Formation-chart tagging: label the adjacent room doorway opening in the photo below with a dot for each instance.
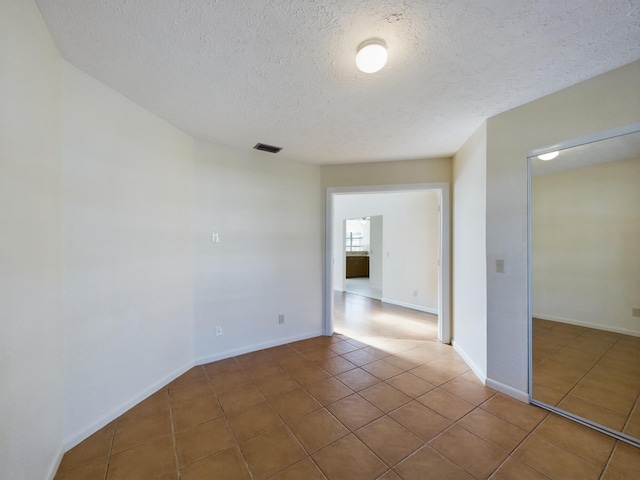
(335, 259)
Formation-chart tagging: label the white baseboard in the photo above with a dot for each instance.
(55, 464)
(410, 305)
(257, 346)
(571, 321)
(482, 376)
(84, 432)
(507, 390)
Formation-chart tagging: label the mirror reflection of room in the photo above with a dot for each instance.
(585, 267)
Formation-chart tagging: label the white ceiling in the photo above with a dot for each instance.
(283, 72)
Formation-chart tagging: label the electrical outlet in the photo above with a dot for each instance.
(281, 318)
(415, 293)
(499, 266)
(218, 330)
(635, 312)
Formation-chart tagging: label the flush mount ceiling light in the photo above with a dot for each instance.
(548, 156)
(371, 56)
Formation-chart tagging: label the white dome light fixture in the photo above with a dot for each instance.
(548, 156)
(372, 55)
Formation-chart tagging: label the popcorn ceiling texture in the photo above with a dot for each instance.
(283, 72)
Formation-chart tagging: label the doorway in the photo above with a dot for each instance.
(335, 259)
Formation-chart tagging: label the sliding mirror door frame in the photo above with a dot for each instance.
(587, 139)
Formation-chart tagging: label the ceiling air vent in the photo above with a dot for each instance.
(267, 148)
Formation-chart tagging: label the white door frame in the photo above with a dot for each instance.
(444, 271)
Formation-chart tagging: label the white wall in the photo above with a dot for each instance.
(31, 339)
(376, 258)
(268, 262)
(585, 249)
(128, 199)
(601, 103)
(410, 237)
(469, 252)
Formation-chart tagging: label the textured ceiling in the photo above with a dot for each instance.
(283, 72)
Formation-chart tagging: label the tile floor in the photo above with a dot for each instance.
(591, 373)
(341, 407)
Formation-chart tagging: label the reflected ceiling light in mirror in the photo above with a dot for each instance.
(371, 56)
(548, 156)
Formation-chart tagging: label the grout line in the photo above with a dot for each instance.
(173, 434)
(113, 439)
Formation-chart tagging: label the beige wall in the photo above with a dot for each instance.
(469, 276)
(32, 343)
(601, 103)
(432, 170)
(585, 246)
(266, 210)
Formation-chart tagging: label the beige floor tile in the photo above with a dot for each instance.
(420, 420)
(152, 404)
(513, 469)
(474, 455)
(519, 413)
(317, 354)
(410, 385)
(493, 429)
(188, 415)
(468, 391)
(95, 447)
(428, 460)
(553, 461)
(358, 379)
(308, 374)
(336, 365)
(317, 429)
(275, 386)
(253, 421)
(585, 442)
(385, 397)
(225, 464)
(354, 411)
(433, 375)
(343, 348)
(264, 370)
(632, 428)
(382, 369)
(224, 382)
(360, 357)
(294, 404)
(94, 470)
(240, 398)
(227, 365)
(547, 395)
(139, 430)
(203, 440)
(390, 475)
(189, 392)
(389, 440)
(446, 404)
(349, 458)
(271, 452)
(625, 461)
(252, 358)
(194, 375)
(150, 460)
(303, 470)
(593, 412)
(329, 390)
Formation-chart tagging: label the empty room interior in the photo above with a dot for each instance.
(176, 185)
